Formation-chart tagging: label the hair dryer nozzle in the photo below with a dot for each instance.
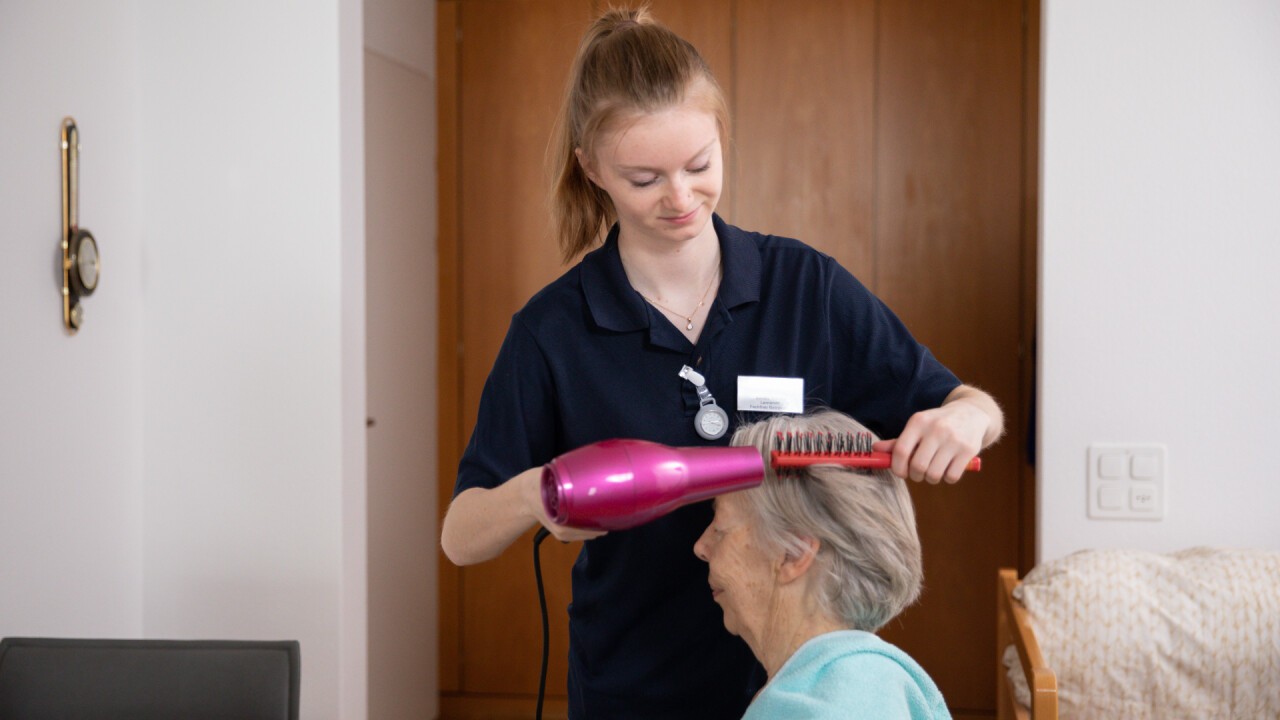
(618, 484)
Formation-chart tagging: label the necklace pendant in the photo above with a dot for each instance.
(689, 326)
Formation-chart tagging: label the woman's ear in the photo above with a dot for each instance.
(584, 162)
(795, 566)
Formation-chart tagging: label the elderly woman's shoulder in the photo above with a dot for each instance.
(850, 673)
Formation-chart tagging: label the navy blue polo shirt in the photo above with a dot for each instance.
(588, 359)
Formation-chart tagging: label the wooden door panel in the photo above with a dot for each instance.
(449, 359)
(805, 87)
(514, 57)
(948, 242)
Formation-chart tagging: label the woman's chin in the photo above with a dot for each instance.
(732, 627)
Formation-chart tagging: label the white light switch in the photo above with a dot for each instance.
(1127, 481)
(1146, 465)
(1142, 497)
(1111, 496)
(1112, 465)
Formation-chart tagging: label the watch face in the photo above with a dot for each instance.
(711, 422)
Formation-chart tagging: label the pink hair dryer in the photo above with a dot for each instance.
(618, 484)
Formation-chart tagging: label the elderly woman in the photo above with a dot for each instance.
(806, 567)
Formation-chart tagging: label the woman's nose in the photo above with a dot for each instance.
(700, 548)
(680, 191)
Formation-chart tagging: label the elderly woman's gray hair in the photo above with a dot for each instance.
(869, 552)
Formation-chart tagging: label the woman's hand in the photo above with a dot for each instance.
(937, 444)
(531, 491)
(482, 522)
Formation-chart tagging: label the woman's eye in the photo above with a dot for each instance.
(644, 183)
(702, 169)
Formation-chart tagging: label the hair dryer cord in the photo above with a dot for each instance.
(542, 602)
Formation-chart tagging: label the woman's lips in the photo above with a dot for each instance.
(682, 219)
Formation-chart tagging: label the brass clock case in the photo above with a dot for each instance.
(81, 263)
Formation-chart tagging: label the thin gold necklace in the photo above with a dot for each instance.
(701, 301)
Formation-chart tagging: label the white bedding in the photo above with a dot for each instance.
(1193, 634)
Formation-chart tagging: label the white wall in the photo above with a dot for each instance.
(70, 407)
(243, 198)
(1159, 258)
(353, 626)
(400, 111)
(217, 489)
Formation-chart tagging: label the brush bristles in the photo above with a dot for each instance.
(809, 443)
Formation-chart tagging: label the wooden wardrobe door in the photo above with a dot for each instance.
(512, 58)
(804, 139)
(949, 118)
(889, 136)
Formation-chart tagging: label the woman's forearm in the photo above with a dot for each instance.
(482, 522)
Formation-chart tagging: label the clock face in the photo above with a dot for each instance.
(86, 261)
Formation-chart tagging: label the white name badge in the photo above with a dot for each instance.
(771, 394)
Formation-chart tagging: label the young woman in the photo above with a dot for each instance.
(673, 329)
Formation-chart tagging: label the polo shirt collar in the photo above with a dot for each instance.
(616, 306)
(740, 257)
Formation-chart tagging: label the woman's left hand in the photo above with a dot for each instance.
(937, 444)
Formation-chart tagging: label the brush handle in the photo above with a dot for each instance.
(866, 461)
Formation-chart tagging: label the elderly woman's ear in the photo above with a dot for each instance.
(794, 565)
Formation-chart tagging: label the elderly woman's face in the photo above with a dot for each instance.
(740, 573)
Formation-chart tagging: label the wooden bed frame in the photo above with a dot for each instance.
(1012, 628)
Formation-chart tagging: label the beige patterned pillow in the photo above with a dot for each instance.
(1193, 634)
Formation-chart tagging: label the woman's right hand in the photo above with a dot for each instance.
(531, 490)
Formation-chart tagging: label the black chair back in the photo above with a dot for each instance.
(45, 678)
